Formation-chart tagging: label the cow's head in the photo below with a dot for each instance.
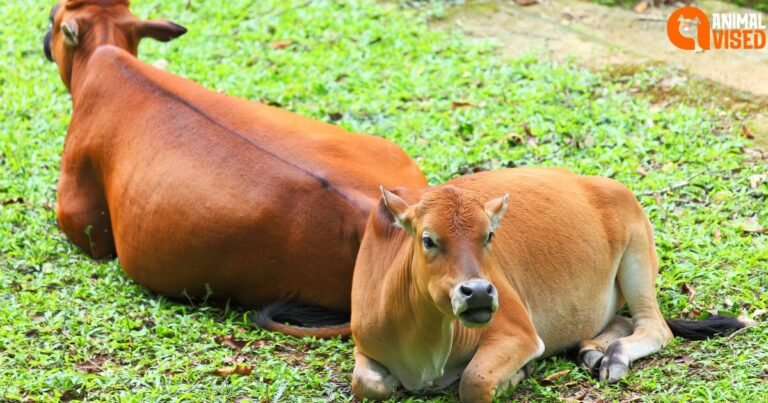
(80, 26)
(453, 236)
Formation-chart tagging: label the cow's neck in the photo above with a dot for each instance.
(78, 72)
(422, 336)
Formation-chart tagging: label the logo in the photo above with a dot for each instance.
(689, 26)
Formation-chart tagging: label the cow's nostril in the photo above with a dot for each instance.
(466, 290)
(490, 289)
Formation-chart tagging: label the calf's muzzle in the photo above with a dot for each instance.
(474, 302)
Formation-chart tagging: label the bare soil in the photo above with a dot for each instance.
(598, 36)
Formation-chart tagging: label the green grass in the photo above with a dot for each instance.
(72, 328)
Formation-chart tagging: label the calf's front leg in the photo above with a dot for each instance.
(372, 380)
(498, 364)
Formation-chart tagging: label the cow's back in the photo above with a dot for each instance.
(208, 189)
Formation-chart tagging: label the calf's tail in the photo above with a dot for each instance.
(301, 319)
(715, 325)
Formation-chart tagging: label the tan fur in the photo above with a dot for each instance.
(193, 189)
(568, 252)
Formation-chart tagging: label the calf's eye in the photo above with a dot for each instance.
(429, 243)
(490, 238)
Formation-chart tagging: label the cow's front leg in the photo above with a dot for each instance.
(372, 380)
(83, 215)
(499, 363)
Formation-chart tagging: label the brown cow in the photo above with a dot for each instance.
(195, 191)
(445, 289)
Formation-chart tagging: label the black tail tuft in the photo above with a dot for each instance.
(715, 325)
(300, 319)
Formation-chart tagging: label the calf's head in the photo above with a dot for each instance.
(452, 234)
(80, 26)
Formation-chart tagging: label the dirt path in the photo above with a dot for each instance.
(597, 36)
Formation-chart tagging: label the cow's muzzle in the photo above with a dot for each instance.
(474, 302)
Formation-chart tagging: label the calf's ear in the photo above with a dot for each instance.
(496, 209)
(399, 209)
(160, 30)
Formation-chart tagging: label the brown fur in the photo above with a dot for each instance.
(567, 254)
(194, 189)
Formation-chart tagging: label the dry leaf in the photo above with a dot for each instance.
(688, 289)
(512, 138)
(747, 132)
(753, 154)
(461, 104)
(756, 180)
(641, 171)
(751, 226)
(281, 44)
(236, 370)
(717, 234)
(230, 341)
(526, 2)
(527, 130)
(556, 375)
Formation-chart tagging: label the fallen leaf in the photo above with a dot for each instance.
(281, 44)
(751, 226)
(527, 130)
(461, 104)
(747, 132)
(717, 234)
(236, 370)
(17, 200)
(238, 359)
(756, 180)
(753, 154)
(526, 2)
(512, 138)
(556, 375)
(688, 289)
(230, 341)
(641, 171)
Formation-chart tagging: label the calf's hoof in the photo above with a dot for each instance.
(591, 360)
(374, 386)
(614, 365)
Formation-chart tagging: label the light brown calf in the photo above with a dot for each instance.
(195, 190)
(475, 278)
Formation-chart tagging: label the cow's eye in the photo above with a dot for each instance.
(428, 242)
(490, 238)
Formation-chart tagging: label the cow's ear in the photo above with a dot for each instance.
(71, 33)
(160, 30)
(495, 210)
(399, 209)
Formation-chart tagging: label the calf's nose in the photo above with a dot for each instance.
(478, 293)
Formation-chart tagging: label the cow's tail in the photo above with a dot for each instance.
(715, 325)
(301, 319)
